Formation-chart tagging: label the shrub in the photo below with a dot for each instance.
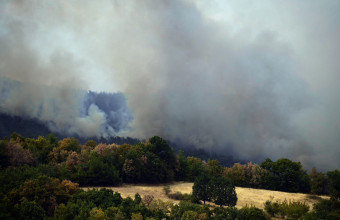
(224, 213)
(147, 199)
(136, 216)
(251, 213)
(295, 210)
(271, 208)
(291, 209)
(325, 209)
(178, 210)
(189, 215)
(97, 214)
(177, 195)
(31, 210)
(19, 156)
(180, 196)
(167, 190)
(138, 198)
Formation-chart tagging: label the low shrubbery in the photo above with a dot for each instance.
(325, 209)
(39, 179)
(177, 195)
(285, 209)
(180, 196)
(251, 213)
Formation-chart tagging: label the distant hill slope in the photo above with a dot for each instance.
(33, 128)
(26, 127)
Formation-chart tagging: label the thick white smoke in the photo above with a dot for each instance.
(239, 78)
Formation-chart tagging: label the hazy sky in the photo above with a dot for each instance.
(248, 78)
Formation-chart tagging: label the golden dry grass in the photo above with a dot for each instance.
(246, 196)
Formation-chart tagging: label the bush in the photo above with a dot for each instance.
(177, 195)
(251, 213)
(31, 210)
(292, 210)
(136, 216)
(102, 198)
(325, 209)
(167, 190)
(189, 215)
(295, 210)
(178, 210)
(97, 214)
(180, 196)
(272, 208)
(224, 213)
(147, 199)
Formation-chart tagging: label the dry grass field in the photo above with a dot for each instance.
(246, 196)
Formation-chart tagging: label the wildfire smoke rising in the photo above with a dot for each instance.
(237, 78)
(76, 112)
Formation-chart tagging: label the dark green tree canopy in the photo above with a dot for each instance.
(219, 190)
(286, 175)
(201, 189)
(334, 180)
(223, 191)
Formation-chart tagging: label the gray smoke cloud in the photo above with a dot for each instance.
(239, 78)
(42, 79)
(74, 112)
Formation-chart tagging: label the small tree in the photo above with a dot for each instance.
(18, 156)
(147, 199)
(166, 190)
(91, 143)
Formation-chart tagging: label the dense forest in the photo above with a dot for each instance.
(33, 128)
(40, 179)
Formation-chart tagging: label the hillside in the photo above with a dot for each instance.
(246, 196)
(32, 128)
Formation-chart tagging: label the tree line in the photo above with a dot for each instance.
(62, 165)
(152, 161)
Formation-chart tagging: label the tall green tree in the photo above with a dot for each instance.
(45, 191)
(223, 191)
(98, 173)
(318, 182)
(334, 180)
(201, 190)
(166, 154)
(31, 210)
(194, 168)
(286, 175)
(213, 168)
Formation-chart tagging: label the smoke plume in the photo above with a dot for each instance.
(75, 112)
(237, 78)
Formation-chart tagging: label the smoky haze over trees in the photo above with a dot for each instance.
(234, 78)
(85, 114)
